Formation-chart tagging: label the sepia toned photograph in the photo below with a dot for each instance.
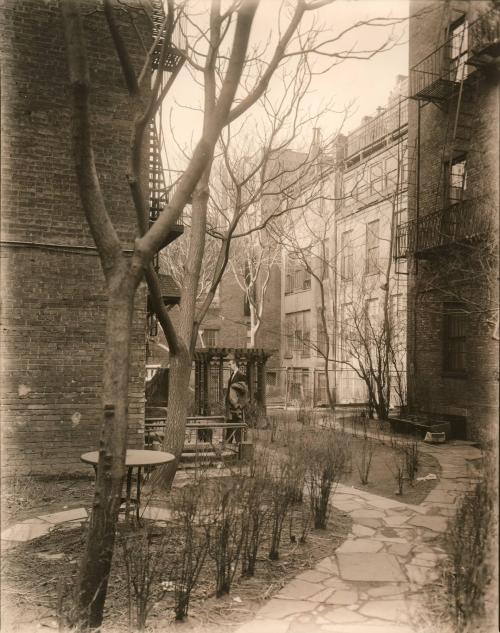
(249, 316)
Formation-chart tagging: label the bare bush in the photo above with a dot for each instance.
(412, 457)
(256, 510)
(468, 569)
(399, 464)
(300, 522)
(329, 454)
(227, 531)
(194, 533)
(279, 503)
(145, 562)
(364, 461)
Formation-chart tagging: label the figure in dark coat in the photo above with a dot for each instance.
(236, 399)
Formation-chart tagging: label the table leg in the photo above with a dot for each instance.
(128, 492)
(138, 494)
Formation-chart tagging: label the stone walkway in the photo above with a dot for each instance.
(373, 581)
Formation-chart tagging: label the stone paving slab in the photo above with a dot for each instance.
(370, 568)
(392, 610)
(299, 589)
(65, 515)
(156, 514)
(278, 608)
(343, 616)
(264, 626)
(313, 575)
(360, 545)
(23, 532)
(361, 530)
(434, 523)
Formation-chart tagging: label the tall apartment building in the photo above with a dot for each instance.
(372, 202)
(451, 238)
(307, 283)
(53, 298)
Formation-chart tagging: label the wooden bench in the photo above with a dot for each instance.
(210, 435)
(420, 426)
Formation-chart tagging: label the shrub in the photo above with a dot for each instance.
(468, 569)
(194, 533)
(328, 457)
(227, 531)
(256, 510)
(145, 560)
(280, 500)
(365, 459)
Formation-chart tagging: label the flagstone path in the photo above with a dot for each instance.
(372, 583)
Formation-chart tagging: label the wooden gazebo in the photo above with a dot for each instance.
(211, 371)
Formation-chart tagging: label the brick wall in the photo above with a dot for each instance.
(54, 308)
(466, 272)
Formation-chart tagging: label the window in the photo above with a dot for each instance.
(271, 378)
(346, 261)
(455, 339)
(321, 343)
(297, 333)
(372, 247)
(457, 181)
(297, 278)
(209, 337)
(401, 211)
(458, 44)
(372, 327)
(321, 393)
(345, 332)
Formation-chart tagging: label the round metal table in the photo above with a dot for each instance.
(134, 458)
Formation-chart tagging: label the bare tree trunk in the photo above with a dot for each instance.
(180, 364)
(96, 563)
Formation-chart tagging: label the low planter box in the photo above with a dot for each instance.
(420, 427)
(435, 437)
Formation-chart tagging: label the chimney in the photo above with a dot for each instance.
(316, 142)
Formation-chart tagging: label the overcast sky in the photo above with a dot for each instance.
(365, 82)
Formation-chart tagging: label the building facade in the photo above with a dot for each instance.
(307, 279)
(370, 285)
(451, 238)
(54, 302)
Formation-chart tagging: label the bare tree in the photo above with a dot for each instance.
(349, 332)
(220, 54)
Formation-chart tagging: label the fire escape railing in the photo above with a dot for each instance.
(484, 35)
(375, 131)
(458, 222)
(160, 186)
(435, 76)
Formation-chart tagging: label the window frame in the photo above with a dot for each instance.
(372, 263)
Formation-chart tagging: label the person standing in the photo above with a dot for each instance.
(236, 398)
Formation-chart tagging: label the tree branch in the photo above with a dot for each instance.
(101, 227)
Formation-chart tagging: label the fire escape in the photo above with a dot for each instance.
(159, 177)
(448, 77)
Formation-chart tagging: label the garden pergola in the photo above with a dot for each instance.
(211, 371)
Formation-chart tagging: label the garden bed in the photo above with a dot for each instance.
(39, 574)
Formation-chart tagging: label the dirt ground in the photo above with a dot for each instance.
(38, 575)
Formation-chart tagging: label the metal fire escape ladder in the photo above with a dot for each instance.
(159, 187)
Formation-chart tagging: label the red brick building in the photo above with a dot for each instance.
(53, 309)
(451, 239)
